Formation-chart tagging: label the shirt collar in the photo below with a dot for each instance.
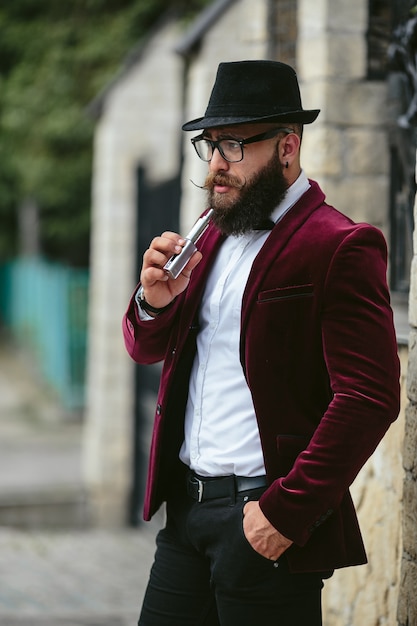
(294, 193)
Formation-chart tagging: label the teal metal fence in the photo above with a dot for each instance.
(45, 307)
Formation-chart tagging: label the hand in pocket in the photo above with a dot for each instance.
(262, 536)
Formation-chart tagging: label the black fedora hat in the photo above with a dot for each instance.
(253, 91)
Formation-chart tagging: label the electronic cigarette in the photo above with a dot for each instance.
(176, 263)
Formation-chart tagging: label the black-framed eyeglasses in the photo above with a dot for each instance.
(231, 149)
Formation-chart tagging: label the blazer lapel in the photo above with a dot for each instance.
(209, 244)
(278, 239)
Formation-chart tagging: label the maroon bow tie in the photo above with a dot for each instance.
(265, 225)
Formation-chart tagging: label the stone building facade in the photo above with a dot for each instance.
(136, 115)
(346, 150)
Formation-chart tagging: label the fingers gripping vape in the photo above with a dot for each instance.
(176, 263)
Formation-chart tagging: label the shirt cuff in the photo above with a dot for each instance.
(143, 315)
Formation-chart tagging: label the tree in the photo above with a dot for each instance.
(54, 59)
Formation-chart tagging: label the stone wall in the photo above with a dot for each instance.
(368, 594)
(407, 605)
(346, 150)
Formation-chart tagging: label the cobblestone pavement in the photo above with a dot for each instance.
(83, 578)
(77, 577)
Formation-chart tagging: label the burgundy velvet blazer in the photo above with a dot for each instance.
(319, 354)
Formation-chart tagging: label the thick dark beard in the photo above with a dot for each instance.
(259, 196)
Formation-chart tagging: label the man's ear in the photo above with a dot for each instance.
(289, 149)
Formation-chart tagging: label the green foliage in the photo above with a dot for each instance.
(55, 57)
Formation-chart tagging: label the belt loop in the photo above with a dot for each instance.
(233, 492)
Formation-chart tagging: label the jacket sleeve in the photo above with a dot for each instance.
(360, 352)
(147, 340)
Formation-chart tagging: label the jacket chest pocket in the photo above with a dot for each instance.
(286, 293)
(284, 320)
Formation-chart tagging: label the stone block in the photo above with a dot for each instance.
(314, 97)
(410, 439)
(341, 56)
(311, 59)
(311, 17)
(366, 152)
(109, 506)
(407, 605)
(351, 103)
(410, 517)
(349, 16)
(321, 151)
(363, 199)
(412, 367)
(347, 56)
(323, 16)
(254, 17)
(55, 508)
(412, 301)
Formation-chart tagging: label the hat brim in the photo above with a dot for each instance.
(298, 117)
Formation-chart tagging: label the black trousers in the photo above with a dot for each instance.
(207, 574)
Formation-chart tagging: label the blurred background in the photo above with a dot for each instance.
(56, 60)
(93, 164)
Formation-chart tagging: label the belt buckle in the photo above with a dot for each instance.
(200, 489)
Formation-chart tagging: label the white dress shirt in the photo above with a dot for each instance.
(221, 431)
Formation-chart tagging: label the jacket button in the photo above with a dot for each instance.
(158, 409)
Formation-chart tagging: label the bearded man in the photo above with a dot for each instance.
(280, 372)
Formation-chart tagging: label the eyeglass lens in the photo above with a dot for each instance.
(230, 150)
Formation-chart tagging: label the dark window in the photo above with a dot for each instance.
(384, 17)
(402, 109)
(379, 37)
(402, 196)
(157, 211)
(282, 23)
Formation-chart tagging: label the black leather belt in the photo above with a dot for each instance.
(201, 488)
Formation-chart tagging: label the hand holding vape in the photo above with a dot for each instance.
(177, 262)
